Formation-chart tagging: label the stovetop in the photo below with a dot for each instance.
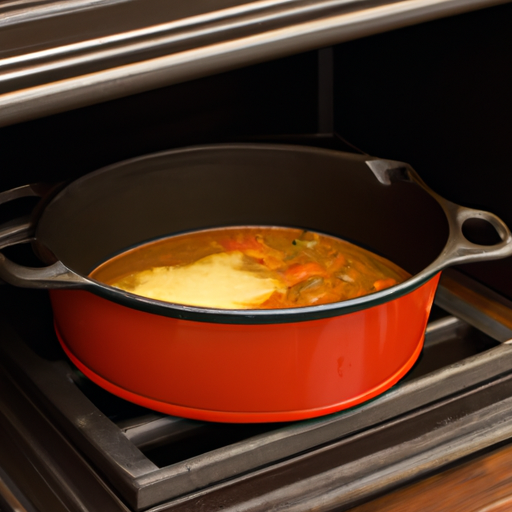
(453, 403)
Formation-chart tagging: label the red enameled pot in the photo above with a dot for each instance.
(244, 365)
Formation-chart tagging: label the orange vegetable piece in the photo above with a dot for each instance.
(301, 271)
(381, 284)
(338, 262)
(244, 244)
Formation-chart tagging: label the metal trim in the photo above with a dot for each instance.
(241, 37)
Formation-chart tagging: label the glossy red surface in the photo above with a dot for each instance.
(243, 373)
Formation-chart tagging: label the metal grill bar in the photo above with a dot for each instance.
(100, 68)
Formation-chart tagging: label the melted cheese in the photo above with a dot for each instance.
(216, 281)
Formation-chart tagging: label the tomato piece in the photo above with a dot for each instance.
(243, 244)
(301, 271)
(381, 284)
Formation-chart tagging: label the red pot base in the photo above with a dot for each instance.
(238, 416)
(247, 373)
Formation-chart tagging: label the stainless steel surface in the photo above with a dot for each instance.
(44, 78)
(122, 450)
(374, 461)
(8, 501)
(49, 472)
(489, 312)
(151, 430)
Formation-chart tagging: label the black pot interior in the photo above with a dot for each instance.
(124, 205)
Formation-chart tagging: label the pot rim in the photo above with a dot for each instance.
(258, 316)
(457, 249)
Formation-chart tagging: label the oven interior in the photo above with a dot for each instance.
(435, 95)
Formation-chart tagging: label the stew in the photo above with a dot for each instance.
(250, 267)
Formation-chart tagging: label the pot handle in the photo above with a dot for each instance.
(458, 249)
(461, 250)
(21, 230)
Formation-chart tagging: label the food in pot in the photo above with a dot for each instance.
(250, 267)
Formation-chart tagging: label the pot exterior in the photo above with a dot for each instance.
(243, 373)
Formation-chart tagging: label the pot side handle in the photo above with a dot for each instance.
(461, 250)
(458, 249)
(21, 230)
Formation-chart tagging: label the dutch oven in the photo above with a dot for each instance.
(244, 365)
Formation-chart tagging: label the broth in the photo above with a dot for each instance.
(250, 267)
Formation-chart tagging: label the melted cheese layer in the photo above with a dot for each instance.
(216, 281)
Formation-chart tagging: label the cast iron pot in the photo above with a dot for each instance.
(244, 365)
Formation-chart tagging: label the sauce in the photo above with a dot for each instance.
(250, 267)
